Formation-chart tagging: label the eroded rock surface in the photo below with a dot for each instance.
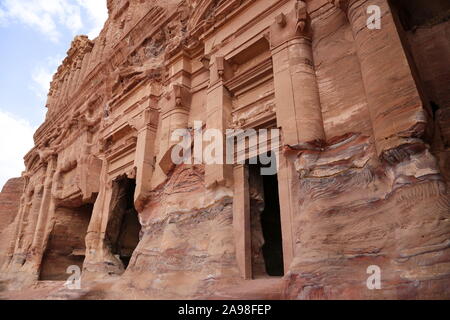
(9, 206)
(363, 158)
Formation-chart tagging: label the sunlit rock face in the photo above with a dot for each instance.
(358, 207)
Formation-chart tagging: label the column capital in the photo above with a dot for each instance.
(220, 70)
(294, 24)
(148, 119)
(178, 98)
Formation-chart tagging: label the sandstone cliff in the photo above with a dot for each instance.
(362, 175)
(9, 207)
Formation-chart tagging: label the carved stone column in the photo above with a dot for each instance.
(241, 221)
(175, 115)
(71, 82)
(296, 91)
(76, 77)
(25, 204)
(218, 112)
(287, 179)
(64, 90)
(85, 65)
(46, 211)
(144, 162)
(24, 212)
(394, 100)
(58, 99)
(33, 216)
(97, 226)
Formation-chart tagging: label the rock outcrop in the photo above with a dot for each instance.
(356, 119)
(9, 206)
(10, 201)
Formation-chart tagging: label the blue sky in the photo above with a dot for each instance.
(34, 38)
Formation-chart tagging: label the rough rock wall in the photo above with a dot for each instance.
(400, 219)
(187, 245)
(10, 201)
(428, 45)
(66, 244)
(400, 222)
(363, 161)
(9, 207)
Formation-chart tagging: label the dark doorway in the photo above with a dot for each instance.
(267, 243)
(271, 225)
(123, 231)
(417, 13)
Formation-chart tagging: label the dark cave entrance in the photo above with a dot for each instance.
(422, 29)
(417, 13)
(66, 245)
(265, 221)
(123, 230)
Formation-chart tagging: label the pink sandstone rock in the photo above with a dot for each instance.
(9, 206)
(363, 163)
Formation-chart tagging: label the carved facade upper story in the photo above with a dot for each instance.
(136, 45)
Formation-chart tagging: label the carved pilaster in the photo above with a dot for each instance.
(241, 221)
(46, 212)
(218, 110)
(398, 116)
(96, 251)
(144, 162)
(296, 92)
(175, 115)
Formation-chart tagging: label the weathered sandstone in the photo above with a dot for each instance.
(9, 206)
(363, 164)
